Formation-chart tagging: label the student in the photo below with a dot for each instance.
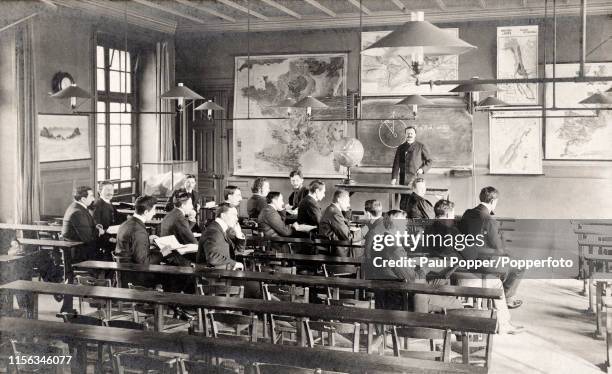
(416, 205)
(217, 248)
(188, 186)
(333, 225)
(105, 214)
(309, 212)
(257, 201)
(232, 196)
(176, 222)
(299, 191)
(271, 222)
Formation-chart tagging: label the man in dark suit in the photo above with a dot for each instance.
(188, 186)
(104, 213)
(299, 191)
(333, 224)
(176, 222)
(480, 220)
(272, 224)
(79, 225)
(416, 205)
(217, 247)
(257, 201)
(373, 213)
(411, 159)
(309, 212)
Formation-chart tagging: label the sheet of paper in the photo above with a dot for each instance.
(188, 248)
(168, 241)
(112, 230)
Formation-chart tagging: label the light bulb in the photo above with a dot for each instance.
(415, 109)
(309, 111)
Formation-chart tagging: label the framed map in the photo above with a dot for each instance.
(447, 132)
(515, 144)
(517, 57)
(573, 137)
(389, 75)
(63, 137)
(272, 143)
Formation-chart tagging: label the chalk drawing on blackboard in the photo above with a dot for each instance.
(391, 132)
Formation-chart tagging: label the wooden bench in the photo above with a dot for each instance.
(370, 317)
(62, 244)
(301, 259)
(292, 279)
(242, 351)
(28, 227)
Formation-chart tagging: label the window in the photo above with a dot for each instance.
(115, 122)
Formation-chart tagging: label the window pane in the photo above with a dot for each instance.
(126, 116)
(116, 116)
(126, 185)
(115, 81)
(101, 157)
(126, 173)
(115, 173)
(114, 59)
(101, 135)
(115, 157)
(100, 83)
(126, 134)
(101, 174)
(126, 156)
(100, 57)
(115, 135)
(101, 115)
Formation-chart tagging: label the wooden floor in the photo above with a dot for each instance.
(558, 337)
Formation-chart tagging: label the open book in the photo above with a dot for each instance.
(112, 230)
(167, 243)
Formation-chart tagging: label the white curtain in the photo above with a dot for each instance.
(165, 81)
(28, 181)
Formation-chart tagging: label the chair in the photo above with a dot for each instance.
(472, 343)
(200, 367)
(26, 349)
(432, 335)
(362, 304)
(103, 306)
(341, 271)
(215, 290)
(283, 369)
(137, 363)
(91, 321)
(280, 325)
(334, 331)
(169, 323)
(233, 326)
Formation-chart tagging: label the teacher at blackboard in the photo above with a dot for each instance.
(411, 159)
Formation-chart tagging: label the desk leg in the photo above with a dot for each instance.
(33, 312)
(79, 363)
(159, 317)
(302, 332)
(370, 337)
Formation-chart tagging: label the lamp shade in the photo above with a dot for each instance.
(310, 102)
(491, 101)
(209, 105)
(287, 103)
(71, 91)
(415, 100)
(474, 87)
(609, 89)
(419, 37)
(598, 98)
(180, 92)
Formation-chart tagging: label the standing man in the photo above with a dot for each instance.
(189, 187)
(79, 225)
(104, 213)
(411, 159)
(299, 191)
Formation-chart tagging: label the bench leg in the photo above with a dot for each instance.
(599, 285)
(159, 317)
(591, 296)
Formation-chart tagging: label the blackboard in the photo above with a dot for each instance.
(446, 131)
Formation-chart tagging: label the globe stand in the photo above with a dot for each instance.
(348, 179)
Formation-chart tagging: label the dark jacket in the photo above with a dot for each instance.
(195, 198)
(419, 207)
(442, 227)
(389, 253)
(175, 223)
(309, 212)
(255, 205)
(408, 159)
(79, 225)
(271, 223)
(104, 213)
(296, 196)
(477, 221)
(333, 225)
(217, 248)
(133, 241)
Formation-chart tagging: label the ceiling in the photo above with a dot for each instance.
(196, 16)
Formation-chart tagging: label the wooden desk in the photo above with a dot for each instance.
(230, 349)
(304, 259)
(301, 280)
(388, 188)
(312, 311)
(27, 227)
(49, 243)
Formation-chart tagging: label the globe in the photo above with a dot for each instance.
(350, 153)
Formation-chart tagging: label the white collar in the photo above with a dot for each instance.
(108, 201)
(181, 209)
(222, 223)
(140, 217)
(81, 204)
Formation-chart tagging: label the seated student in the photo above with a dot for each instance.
(217, 247)
(257, 201)
(232, 196)
(334, 225)
(417, 206)
(105, 214)
(444, 224)
(271, 222)
(176, 222)
(309, 212)
(298, 192)
(373, 213)
(189, 187)
(79, 225)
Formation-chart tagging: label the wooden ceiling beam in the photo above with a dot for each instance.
(440, 4)
(400, 5)
(166, 9)
(282, 8)
(206, 10)
(239, 7)
(360, 6)
(321, 7)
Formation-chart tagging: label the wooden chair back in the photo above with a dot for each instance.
(128, 362)
(20, 349)
(290, 293)
(230, 325)
(433, 335)
(261, 368)
(481, 341)
(329, 334)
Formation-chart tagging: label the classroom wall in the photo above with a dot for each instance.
(567, 190)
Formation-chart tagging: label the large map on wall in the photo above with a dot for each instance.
(273, 143)
(389, 75)
(517, 57)
(515, 144)
(578, 138)
(446, 131)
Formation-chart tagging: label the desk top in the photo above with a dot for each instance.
(49, 243)
(27, 227)
(302, 280)
(316, 259)
(392, 188)
(313, 311)
(586, 243)
(325, 359)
